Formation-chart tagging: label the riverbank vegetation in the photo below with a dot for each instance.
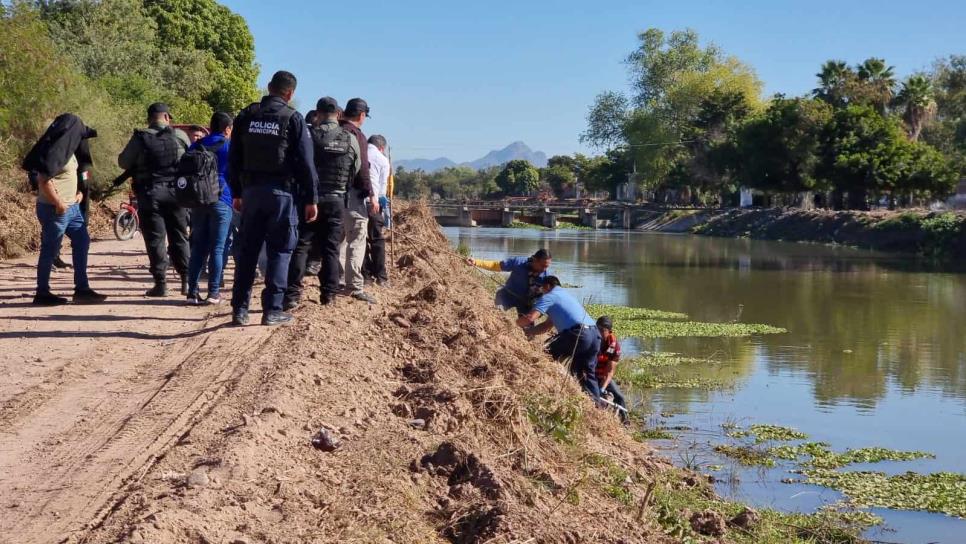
(697, 128)
(107, 60)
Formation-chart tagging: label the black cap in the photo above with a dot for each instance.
(605, 323)
(159, 107)
(355, 107)
(327, 104)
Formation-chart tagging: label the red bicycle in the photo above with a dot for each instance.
(126, 222)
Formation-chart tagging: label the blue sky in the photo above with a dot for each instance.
(458, 79)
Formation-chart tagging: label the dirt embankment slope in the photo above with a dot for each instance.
(927, 233)
(147, 421)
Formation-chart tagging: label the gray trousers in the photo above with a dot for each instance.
(352, 251)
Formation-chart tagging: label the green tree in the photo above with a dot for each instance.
(206, 26)
(687, 97)
(916, 100)
(834, 80)
(778, 151)
(518, 177)
(558, 177)
(865, 153)
(877, 83)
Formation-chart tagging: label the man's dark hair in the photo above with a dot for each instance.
(196, 128)
(542, 255)
(311, 116)
(282, 82)
(552, 281)
(378, 140)
(220, 122)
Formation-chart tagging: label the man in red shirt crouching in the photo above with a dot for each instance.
(610, 353)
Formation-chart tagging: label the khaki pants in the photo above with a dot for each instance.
(352, 251)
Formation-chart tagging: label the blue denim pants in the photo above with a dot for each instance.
(53, 227)
(209, 236)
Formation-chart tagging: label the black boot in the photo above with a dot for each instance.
(184, 285)
(48, 299)
(160, 289)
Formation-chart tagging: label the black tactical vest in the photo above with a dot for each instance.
(161, 152)
(265, 141)
(333, 158)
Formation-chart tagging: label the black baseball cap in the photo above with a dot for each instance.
(327, 104)
(355, 107)
(159, 107)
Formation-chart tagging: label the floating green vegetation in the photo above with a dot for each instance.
(626, 313)
(942, 492)
(661, 360)
(831, 459)
(793, 453)
(747, 455)
(652, 434)
(644, 379)
(672, 329)
(522, 225)
(648, 323)
(767, 433)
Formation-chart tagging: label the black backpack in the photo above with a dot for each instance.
(197, 183)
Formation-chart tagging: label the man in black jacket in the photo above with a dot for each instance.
(152, 156)
(270, 161)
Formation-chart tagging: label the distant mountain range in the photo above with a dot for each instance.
(514, 151)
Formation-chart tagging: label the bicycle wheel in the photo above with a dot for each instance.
(125, 225)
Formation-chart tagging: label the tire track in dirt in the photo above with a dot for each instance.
(104, 391)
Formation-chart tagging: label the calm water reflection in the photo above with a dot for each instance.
(875, 354)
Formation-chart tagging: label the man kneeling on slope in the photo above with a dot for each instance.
(577, 335)
(526, 276)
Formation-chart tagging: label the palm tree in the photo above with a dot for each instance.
(879, 80)
(832, 82)
(916, 97)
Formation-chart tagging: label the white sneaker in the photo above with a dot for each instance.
(213, 301)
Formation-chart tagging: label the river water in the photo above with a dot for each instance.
(875, 354)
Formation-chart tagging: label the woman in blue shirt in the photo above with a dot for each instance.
(210, 224)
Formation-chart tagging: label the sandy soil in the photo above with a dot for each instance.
(147, 421)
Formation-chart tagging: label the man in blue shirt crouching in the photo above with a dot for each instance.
(577, 335)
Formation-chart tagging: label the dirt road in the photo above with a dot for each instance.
(92, 395)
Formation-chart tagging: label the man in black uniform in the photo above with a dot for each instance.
(152, 156)
(270, 161)
(337, 160)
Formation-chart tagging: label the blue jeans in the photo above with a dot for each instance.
(53, 227)
(209, 234)
(269, 220)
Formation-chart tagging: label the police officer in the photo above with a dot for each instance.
(270, 161)
(152, 156)
(360, 203)
(337, 161)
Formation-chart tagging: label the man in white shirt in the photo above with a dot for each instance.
(375, 261)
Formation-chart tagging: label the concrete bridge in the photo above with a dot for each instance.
(497, 214)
